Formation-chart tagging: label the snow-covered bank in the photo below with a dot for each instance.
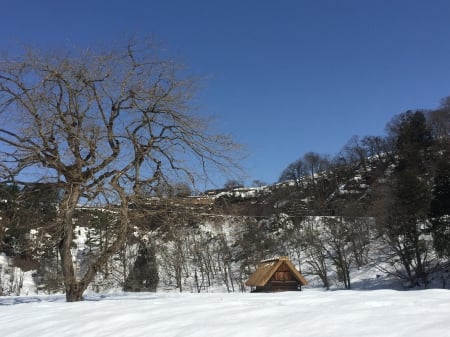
(307, 313)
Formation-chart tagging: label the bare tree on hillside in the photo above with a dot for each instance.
(233, 183)
(296, 171)
(315, 163)
(439, 120)
(100, 126)
(315, 254)
(356, 152)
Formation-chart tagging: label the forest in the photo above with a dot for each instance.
(382, 202)
(99, 156)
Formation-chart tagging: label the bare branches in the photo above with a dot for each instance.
(103, 125)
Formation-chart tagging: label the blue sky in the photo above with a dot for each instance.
(283, 77)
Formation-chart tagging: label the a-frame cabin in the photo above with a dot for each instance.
(277, 274)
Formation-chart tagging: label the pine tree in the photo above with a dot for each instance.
(144, 274)
(440, 209)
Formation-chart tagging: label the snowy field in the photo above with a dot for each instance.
(307, 313)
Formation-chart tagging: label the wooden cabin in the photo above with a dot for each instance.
(278, 274)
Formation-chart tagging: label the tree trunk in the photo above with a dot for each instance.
(69, 202)
(74, 287)
(74, 292)
(421, 274)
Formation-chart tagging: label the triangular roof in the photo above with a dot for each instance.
(267, 268)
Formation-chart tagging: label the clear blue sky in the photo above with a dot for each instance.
(283, 77)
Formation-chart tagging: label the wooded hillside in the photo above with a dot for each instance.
(382, 203)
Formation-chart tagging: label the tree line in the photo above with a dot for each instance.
(88, 137)
(401, 181)
(329, 220)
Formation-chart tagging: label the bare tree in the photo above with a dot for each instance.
(296, 171)
(439, 119)
(232, 184)
(100, 126)
(356, 152)
(315, 254)
(315, 163)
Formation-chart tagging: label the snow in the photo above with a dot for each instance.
(13, 280)
(308, 313)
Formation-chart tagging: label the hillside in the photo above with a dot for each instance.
(213, 242)
(377, 213)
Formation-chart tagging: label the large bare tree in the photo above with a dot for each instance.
(101, 126)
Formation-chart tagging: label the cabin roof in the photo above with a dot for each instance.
(267, 268)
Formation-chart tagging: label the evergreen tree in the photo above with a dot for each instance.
(410, 194)
(413, 140)
(440, 209)
(144, 274)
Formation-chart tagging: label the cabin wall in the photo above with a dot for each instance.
(282, 274)
(275, 286)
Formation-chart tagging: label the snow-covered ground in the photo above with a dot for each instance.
(308, 313)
